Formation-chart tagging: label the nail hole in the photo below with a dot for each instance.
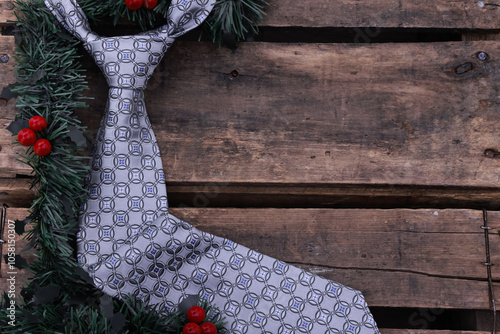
(491, 153)
(234, 74)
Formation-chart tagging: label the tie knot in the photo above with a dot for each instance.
(129, 61)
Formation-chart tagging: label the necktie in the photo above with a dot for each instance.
(131, 244)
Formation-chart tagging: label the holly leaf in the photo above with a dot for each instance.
(47, 294)
(83, 275)
(7, 92)
(30, 316)
(188, 302)
(17, 125)
(118, 322)
(68, 206)
(106, 306)
(75, 300)
(76, 136)
(19, 262)
(37, 76)
(20, 224)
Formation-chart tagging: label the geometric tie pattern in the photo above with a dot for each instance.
(130, 243)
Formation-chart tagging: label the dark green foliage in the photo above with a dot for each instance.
(234, 20)
(50, 82)
(230, 20)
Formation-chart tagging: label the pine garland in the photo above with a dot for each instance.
(230, 20)
(61, 298)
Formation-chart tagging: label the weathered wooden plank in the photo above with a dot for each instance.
(9, 165)
(7, 12)
(16, 193)
(381, 290)
(10, 151)
(426, 258)
(384, 13)
(401, 240)
(352, 13)
(326, 114)
(401, 289)
(9, 275)
(397, 274)
(382, 114)
(427, 331)
(395, 119)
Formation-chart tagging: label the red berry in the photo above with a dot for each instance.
(133, 4)
(196, 314)
(26, 137)
(38, 123)
(42, 147)
(208, 328)
(150, 4)
(191, 328)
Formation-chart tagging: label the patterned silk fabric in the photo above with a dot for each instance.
(130, 244)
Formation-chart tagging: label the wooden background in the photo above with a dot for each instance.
(352, 138)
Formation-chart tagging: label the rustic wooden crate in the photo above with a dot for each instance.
(364, 162)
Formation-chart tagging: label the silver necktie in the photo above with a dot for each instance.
(130, 244)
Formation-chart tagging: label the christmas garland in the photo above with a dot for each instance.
(60, 298)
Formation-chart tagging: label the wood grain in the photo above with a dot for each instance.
(16, 192)
(426, 258)
(383, 13)
(395, 119)
(316, 114)
(9, 153)
(7, 12)
(384, 253)
(427, 331)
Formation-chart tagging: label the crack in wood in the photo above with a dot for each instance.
(392, 270)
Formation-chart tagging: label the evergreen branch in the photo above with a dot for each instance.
(234, 19)
(229, 20)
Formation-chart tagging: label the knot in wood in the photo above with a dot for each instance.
(464, 68)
